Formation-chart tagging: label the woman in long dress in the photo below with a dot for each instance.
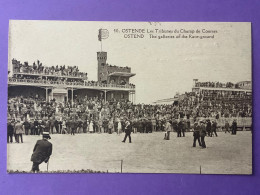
(119, 127)
(91, 128)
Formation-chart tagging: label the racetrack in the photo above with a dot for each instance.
(148, 153)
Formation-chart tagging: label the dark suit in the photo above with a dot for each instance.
(208, 128)
(196, 135)
(202, 135)
(214, 129)
(234, 128)
(127, 133)
(41, 152)
(10, 132)
(180, 129)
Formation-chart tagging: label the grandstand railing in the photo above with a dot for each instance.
(50, 74)
(46, 83)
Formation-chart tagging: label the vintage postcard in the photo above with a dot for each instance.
(129, 97)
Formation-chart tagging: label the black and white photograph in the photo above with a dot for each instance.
(129, 97)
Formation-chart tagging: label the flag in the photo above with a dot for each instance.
(103, 34)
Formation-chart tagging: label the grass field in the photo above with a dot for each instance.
(148, 153)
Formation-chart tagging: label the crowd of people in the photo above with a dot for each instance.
(95, 115)
(216, 84)
(64, 81)
(38, 68)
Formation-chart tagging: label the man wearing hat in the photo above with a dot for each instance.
(234, 127)
(203, 133)
(10, 131)
(18, 129)
(41, 152)
(179, 128)
(127, 131)
(168, 129)
(214, 128)
(196, 134)
(208, 127)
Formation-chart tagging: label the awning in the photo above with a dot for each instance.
(122, 74)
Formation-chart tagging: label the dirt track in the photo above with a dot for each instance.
(149, 153)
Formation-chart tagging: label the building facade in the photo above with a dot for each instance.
(64, 84)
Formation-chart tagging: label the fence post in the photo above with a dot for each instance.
(121, 166)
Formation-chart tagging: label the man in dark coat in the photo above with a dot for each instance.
(234, 127)
(36, 127)
(10, 131)
(128, 130)
(57, 125)
(214, 129)
(179, 128)
(26, 125)
(208, 127)
(196, 134)
(203, 134)
(51, 124)
(41, 152)
(149, 126)
(73, 126)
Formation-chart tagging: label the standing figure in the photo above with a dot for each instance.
(73, 126)
(119, 127)
(41, 152)
(110, 126)
(208, 127)
(214, 128)
(196, 134)
(85, 126)
(226, 126)
(36, 126)
(127, 131)
(91, 127)
(179, 128)
(203, 134)
(234, 127)
(185, 127)
(10, 131)
(26, 126)
(168, 129)
(135, 125)
(18, 129)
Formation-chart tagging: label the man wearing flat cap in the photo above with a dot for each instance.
(41, 152)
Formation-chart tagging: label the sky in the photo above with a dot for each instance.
(162, 66)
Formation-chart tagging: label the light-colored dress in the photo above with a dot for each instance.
(119, 127)
(91, 129)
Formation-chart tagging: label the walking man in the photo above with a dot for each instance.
(127, 131)
(234, 127)
(214, 129)
(18, 129)
(226, 126)
(196, 134)
(168, 129)
(10, 131)
(203, 134)
(41, 152)
(208, 127)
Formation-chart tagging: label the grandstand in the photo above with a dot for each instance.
(66, 83)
